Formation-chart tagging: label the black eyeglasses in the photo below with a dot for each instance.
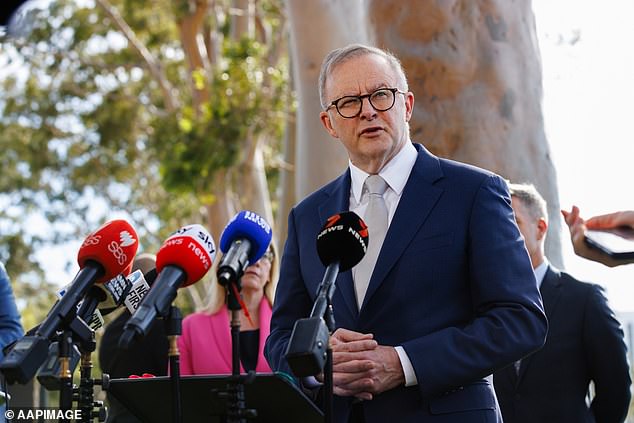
(382, 100)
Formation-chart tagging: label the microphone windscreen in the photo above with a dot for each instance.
(192, 249)
(251, 226)
(113, 246)
(344, 238)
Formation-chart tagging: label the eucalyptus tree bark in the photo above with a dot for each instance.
(254, 190)
(474, 67)
(190, 31)
(243, 18)
(286, 191)
(332, 24)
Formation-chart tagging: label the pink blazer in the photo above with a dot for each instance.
(205, 345)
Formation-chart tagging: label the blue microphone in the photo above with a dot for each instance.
(243, 242)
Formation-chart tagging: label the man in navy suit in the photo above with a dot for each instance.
(584, 342)
(452, 297)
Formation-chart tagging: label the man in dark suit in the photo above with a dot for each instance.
(584, 342)
(452, 296)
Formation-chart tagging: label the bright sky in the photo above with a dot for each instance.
(588, 92)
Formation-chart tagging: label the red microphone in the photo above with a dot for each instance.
(185, 257)
(103, 255)
(190, 248)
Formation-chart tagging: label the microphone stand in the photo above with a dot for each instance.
(322, 307)
(75, 331)
(86, 401)
(308, 352)
(236, 409)
(65, 377)
(174, 328)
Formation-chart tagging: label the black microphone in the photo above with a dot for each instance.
(106, 297)
(341, 244)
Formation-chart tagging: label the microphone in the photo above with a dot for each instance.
(343, 239)
(105, 253)
(102, 256)
(103, 299)
(243, 242)
(141, 284)
(184, 259)
(110, 296)
(341, 244)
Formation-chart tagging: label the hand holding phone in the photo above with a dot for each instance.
(618, 243)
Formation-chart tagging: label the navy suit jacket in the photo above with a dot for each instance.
(584, 343)
(10, 326)
(438, 289)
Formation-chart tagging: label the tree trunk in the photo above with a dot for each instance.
(254, 190)
(318, 157)
(286, 196)
(475, 69)
(243, 19)
(221, 209)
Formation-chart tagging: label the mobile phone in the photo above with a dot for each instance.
(618, 243)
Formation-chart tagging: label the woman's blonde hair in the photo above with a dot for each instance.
(217, 292)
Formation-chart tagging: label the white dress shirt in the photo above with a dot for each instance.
(396, 173)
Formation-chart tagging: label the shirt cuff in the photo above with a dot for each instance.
(408, 369)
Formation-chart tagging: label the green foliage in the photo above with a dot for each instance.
(194, 144)
(86, 136)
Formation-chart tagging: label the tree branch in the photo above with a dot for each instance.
(154, 66)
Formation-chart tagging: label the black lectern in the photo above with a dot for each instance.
(273, 396)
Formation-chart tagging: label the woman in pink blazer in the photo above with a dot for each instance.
(205, 345)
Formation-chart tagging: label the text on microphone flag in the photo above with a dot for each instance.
(257, 219)
(191, 248)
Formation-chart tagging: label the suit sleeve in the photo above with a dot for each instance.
(10, 326)
(508, 321)
(607, 360)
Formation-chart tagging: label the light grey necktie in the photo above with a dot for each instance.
(376, 219)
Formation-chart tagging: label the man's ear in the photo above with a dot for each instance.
(325, 120)
(409, 106)
(542, 227)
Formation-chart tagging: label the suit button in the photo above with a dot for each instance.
(518, 397)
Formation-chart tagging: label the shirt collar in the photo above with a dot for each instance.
(395, 172)
(540, 272)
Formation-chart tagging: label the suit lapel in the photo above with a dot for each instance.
(418, 199)
(338, 201)
(550, 291)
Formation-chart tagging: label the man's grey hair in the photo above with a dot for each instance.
(341, 55)
(531, 198)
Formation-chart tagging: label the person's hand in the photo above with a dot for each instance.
(612, 220)
(578, 227)
(361, 367)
